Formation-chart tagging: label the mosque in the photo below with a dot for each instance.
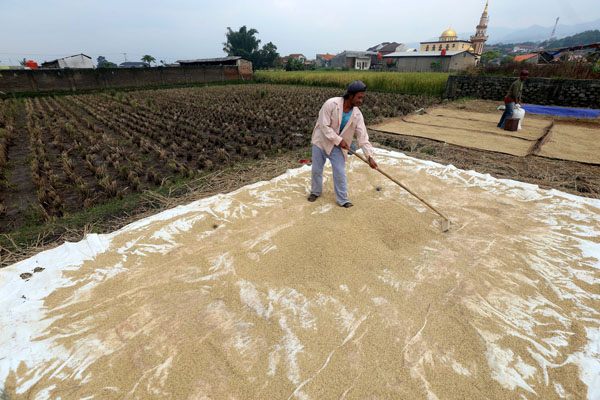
(449, 40)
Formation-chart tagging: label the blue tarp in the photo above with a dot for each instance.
(561, 111)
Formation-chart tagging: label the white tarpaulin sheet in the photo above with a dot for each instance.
(261, 294)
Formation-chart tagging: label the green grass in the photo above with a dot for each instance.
(416, 83)
(36, 227)
(428, 150)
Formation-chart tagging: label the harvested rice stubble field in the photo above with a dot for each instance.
(64, 154)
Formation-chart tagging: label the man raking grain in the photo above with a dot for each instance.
(339, 118)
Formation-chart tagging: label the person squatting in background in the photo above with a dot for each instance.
(513, 97)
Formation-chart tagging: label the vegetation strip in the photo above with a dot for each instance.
(431, 84)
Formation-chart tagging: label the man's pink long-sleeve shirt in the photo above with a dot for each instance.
(326, 133)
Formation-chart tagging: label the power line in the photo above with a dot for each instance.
(33, 54)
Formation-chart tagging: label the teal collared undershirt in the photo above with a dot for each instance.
(345, 119)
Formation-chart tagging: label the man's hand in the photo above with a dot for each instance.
(344, 145)
(372, 163)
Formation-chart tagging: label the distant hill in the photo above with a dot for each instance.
(574, 40)
(586, 37)
(536, 33)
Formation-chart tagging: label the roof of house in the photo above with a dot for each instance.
(352, 53)
(326, 56)
(390, 47)
(80, 54)
(423, 53)
(524, 57)
(381, 45)
(296, 55)
(446, 42)
(64, 58)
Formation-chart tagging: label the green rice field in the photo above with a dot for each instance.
(420, 83)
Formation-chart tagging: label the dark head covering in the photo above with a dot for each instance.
(524, 73)
(355, 87)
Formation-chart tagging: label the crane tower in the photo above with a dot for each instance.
(553, 30)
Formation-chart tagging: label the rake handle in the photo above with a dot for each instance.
(402, 186)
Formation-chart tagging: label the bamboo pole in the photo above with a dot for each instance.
(445, 220)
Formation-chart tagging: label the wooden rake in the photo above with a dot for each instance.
(445, 220)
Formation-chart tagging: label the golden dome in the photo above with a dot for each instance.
(471, 49)
(448, 33)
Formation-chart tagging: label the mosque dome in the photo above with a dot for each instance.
(448, 34)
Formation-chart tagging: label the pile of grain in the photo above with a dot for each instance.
(261, 294)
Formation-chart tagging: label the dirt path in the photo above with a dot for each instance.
(22, 193)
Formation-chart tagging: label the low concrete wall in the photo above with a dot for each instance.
(18, 81)
(457, 62)
(544, 91)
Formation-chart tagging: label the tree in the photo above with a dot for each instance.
(267, 57)
(294, 65)
(507, 60)
(436, 66)
(148, 59)
(489, 56)
(242, 43)
(102, 62)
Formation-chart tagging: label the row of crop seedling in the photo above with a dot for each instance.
(144, 140)
(42, 174)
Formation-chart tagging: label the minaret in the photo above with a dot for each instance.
(479, 39)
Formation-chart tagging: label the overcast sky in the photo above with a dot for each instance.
(184, 29)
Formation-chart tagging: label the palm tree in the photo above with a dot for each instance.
(241, 43)
(148, 59)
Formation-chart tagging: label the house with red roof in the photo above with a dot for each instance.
(298, 56)
(322, 60)
(529, 58)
